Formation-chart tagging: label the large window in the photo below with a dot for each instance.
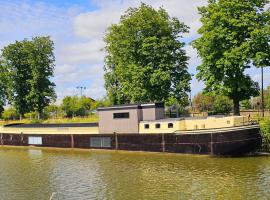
(123, 115)
(35, 140)
(99, 142)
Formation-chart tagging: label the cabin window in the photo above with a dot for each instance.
(35, 140)
(124, 115)
(170, 125)
(99, 142)
(228, 122)
(146, 126)
(196, 127)
(157, 125)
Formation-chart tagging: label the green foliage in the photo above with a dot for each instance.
(246, 104)
(3, 85)
(145, 60)
(267, 98)
(16, 62)
(75, 106)
(214, 104)
(30, 66)
(10, 114)
(222, 105)
(41, 61)
(203, 102)
(234, 35)
(103, 102)
(265, 127)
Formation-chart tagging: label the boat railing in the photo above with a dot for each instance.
(218, 130)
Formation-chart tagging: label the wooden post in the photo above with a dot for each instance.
(211, 143)
(116, 141)
(22, 137)
(1, 138)
(72, 141)
(163, 143)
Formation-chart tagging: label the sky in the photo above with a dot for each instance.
(77, 28)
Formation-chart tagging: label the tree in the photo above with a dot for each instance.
(246, 104)
(10, 114)
(222, 105)
(76, 106)
(203, 102)
(3, 85)
(41, 61)
(228, 45)
(30, 66)
(212, 103)
(17, 63)
(267, 97)
(145, 60)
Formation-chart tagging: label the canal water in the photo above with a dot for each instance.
(34, 174)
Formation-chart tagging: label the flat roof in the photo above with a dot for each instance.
(132, 106)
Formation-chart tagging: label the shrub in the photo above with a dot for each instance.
(265, 127)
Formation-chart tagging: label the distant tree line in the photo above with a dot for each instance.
(71, 106)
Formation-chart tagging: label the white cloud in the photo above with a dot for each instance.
(87, 52)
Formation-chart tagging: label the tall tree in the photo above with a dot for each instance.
(145, 60)
(30, 66)
(230, 33)
(41, 61)
(16, 58)
(3, 85)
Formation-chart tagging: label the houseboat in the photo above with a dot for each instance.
(142, 127)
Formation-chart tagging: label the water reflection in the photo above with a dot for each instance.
(36, 174)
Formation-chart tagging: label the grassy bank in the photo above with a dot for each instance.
(92, 118)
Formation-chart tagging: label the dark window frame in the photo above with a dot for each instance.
(146, 126)
(157, 125)
(170, 125)
(121, 115)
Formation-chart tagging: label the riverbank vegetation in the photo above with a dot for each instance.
(72, 109)
(265, 128)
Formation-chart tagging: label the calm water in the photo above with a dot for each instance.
(33, 174)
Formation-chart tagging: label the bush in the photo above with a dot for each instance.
(10, 114)
(265, 127)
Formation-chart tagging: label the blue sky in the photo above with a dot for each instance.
(77, 28)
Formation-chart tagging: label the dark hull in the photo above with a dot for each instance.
(231, 142)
